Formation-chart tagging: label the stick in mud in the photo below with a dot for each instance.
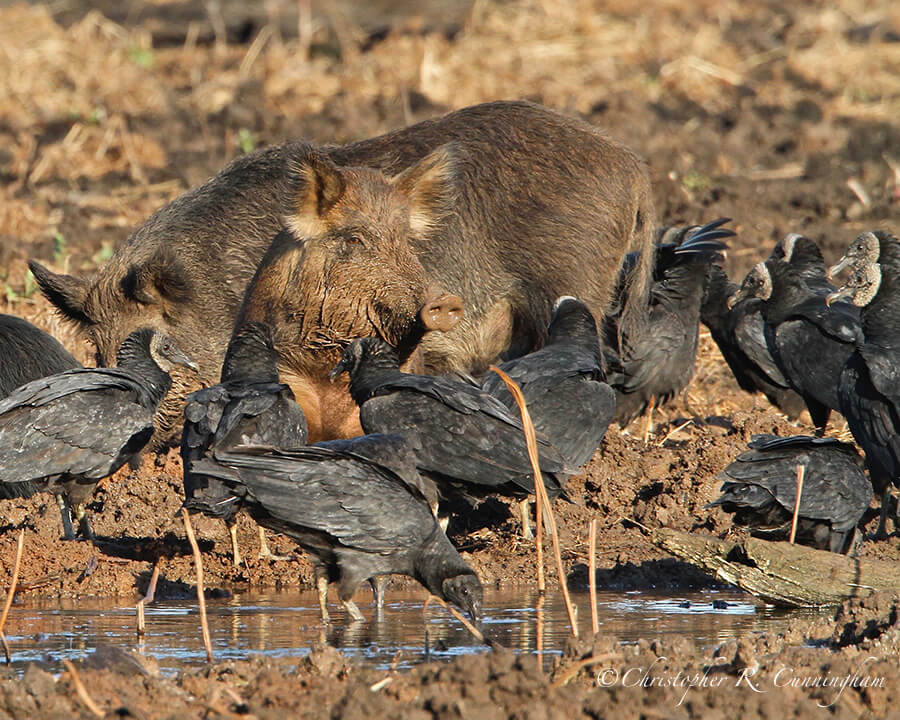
(201, 599)
(541, 492)
(592, 575)
(20, 543)
(151, 593)
(425, 622)
(459, 616)
(82, 690)
(801, 471)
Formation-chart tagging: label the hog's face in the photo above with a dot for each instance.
(155, 292)
(355, 270)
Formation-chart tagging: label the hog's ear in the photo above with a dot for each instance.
(430, 186)
(316, 185)
(66, 292)
(161, 280)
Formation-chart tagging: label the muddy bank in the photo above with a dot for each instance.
(663, 484)
(844, 668)
(741, 112)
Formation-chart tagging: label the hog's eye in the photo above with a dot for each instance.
(354, 239)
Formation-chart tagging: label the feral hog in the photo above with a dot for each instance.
(522, 205)
(344, 268)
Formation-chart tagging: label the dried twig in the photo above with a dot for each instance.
(479, 636)
(592, 575)
(857, 187)
(20, 544)
(148, 598)
(381, 683)
(801, 471)
(539, 625)
(198, 563)
(82, 690)
(673, 431)
(573, 671)
(541, 491)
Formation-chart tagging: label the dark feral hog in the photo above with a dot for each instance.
(517, 205)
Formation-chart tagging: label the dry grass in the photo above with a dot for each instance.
(95, 121)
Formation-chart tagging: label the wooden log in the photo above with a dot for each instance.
(781, 573)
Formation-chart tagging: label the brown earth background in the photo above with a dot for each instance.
(781, 115)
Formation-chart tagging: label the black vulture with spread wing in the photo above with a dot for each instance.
(461, 436)
(66, 432)
(563, 384)
(648, 370)
(358, 517)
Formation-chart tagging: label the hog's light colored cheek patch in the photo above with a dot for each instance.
(305, 224)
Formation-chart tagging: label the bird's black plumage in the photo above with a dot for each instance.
(28, 353)
(68, 431)
(809, 340)
(869, 384)
(739, 333)
(760, 488)
(462, 437)
(563, 384)
(358, 517)
(652, 368)
(806, 259)
(248, 407)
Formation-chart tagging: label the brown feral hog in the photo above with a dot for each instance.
(525, 205)
(344, 268)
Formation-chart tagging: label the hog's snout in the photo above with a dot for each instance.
(441, 311)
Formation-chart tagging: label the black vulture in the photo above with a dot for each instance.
(464, 439)
(760, 488)
(28, 353)
(739, 333)
(806, 259)
(563, 384)
(869, 386)
(358, 517)
(809, 340)
(647, 371)
(66, 432)
(248, 407)
(864, 250)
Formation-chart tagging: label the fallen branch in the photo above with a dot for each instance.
(20, 544)
(201, 599)
(540, 491)
(586, 662)
(479, 636)
(82, 690)
(781, 573)
(148, 597)
(801, 471)
(592, 575)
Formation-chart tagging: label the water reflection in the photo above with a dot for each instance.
(286, 624)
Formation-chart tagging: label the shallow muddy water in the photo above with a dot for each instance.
(286, 624)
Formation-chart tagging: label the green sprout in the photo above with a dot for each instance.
(247, 140)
